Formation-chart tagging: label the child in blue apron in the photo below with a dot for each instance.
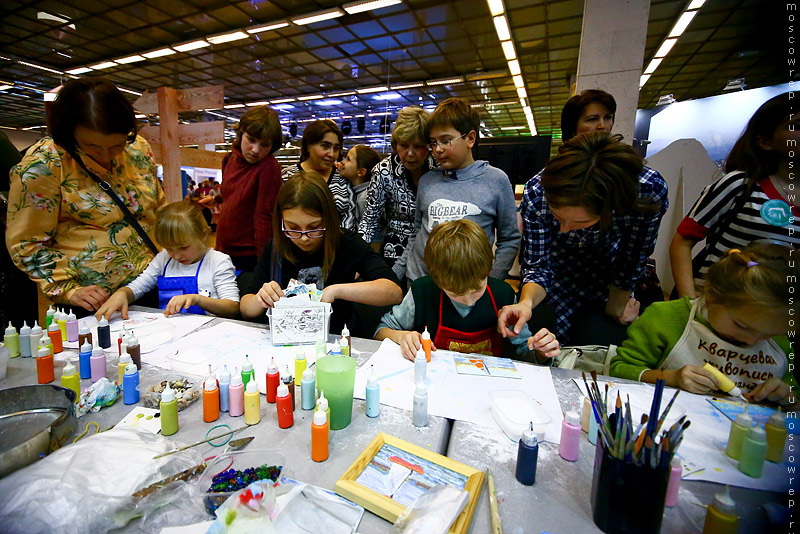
(190, 276)
(739, 325)
(458, 302)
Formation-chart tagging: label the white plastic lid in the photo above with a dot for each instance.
(10, 330)
(572, 416)
(98, 351)
(425, 334)
(529, 436)
(43, 351)
(300, 354)
(723, 502)
(323, 403)
(283, 391)
(102, 321)
(272, 368)
(69, 369)
(132, 341)
(86, 347)
(251, 387)
(343, 342)
(52, 328)
(345, 331)
(123, 333)
(373, 378)
(308, 374)
(744, 419)
(421, 389)
(337, 347)
(168, 395)
(210, 384)
(247, 367)
(757, 433)
(236, 379)
(421, 354)
(25, 330)
(50, 310)
(124, 357)
(225, 375)
(72, 316)
(84, 329)
(131, 369)
(36, 328)
(320, 417)
(777, 419)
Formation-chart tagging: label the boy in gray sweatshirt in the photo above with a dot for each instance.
(461, 188)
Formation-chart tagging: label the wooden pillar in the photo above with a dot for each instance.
(170, 149)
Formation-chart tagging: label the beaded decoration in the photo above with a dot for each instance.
(234, 480)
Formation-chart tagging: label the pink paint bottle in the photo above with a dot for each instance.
(97, 364)
(570, 435)
(674, 483)
(236, 394)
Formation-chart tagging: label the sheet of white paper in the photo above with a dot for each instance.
(704, 442)
(197, 528)
(455, 395)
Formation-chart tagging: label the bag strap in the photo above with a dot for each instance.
(105, 186)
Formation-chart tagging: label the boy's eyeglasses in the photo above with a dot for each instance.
(297, 234)
(446, 143)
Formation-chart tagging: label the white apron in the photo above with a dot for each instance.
(746, 366)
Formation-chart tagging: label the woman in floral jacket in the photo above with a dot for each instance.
(64, 230)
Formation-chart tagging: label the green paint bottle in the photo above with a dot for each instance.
(739, 429)
(169, 411)
(754, 452)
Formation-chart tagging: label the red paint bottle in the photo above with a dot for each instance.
(284, 405)
(273, 381)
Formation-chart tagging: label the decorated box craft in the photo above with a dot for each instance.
(299, 320)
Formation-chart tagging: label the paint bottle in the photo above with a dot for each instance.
(420, 415)
(45, 371)
(169, 411)
(49, 344)
(725, 383)
(252, 404)
(721, 515)
(55, 338)
(776, 436)
(224, 389)
(426, 343)
(130, 384)
(97, 363)
(210, 400)
(345, 346)
(307, 400)
(70, 380)
(273, 381)
(739, 429)
(84, 335)
(48, 317)
(299, 366)
(754, 452)
(36, 338)
(25, 340)
(123, 338)
(319, 437)
(321, 347)
(420, 368)
(337, 348)
(84, 361)
(322, 404)
(236, 394)
(134, 350)
(72, 327)
(675, 472)
(346, 334)
(103, 333)
(527, 457)
(247, 371)
(123, 362)
(62, 325)
(11, 339)
(284, 406)
(288, 381)
(570, 435)
(373, 395)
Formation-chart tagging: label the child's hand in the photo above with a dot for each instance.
(269, 294)
(410, 342)
(693, 379)
(180, 302)
(774, 390)
(117, 301)
(545, 343)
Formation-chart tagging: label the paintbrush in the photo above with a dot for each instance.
(618, 413)
(641, 432)
(666, 411)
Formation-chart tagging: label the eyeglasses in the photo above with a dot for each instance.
(446, 143)
(316, 233)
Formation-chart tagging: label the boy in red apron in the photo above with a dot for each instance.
(458, 302)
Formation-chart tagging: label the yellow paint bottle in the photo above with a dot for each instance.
(70, 379)
(252, 403)
(725, 383)
(776, 436)
(721, 516)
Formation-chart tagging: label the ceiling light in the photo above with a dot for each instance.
(40, 67)
(665, 47)
(228, 37)
(194, 45)
(104, 65)
(35, 127)
(518, 81)
(4, 86)
(79, 70)
(521, 92)
(501, 25)
(329, 102)
(387, 96)
(495, 7)
(50, 96)
(407, 86)
(508, 50)
(140, 116)
(284, 107)
(137, 93)
(233, 106)
(310, 97)
(268, 27)
(254, 104)
(130, 59)
(682, 24)
(654, 63)
(512, 127)
(158, 53)
(513, 66)
(372, 89)
(523, 103)
(281, 100)
(369, 5)
(343, 93)
(446, 81)
(527, 110)
(663, 100)
(736, 83)
(43, 15)
(643, 79)
(695, 4)
(318, 17)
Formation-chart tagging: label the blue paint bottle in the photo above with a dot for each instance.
(527, 455)
(130, 384)
(85, 357)
(103, 333)
(307, 402)
(224, 392)
(373, 395)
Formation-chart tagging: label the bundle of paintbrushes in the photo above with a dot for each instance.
(641, 445)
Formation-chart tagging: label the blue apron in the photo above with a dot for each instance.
(170, 286)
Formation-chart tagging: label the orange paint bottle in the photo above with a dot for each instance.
(319, 437)
(210, 400)
(426, 344)
(45, 371)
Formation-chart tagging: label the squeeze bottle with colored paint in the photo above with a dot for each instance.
(307, 400)
(284, 407)
(345, 346)
(420, 368)
(373, 395)
(62, 325)
(721, 515)
(321, 347)
(36, 338)
(247, 371)
(210, 400)
(85, 362)
(224, 389)
(346, 334)
(130, 384)
(319, 437)
(97, 363)
(236, 394)
(84, 335)
(123, 338)
(134, 350)
(527, 457)
(123, 362)
(299, 366)
(273, 381)
(45, 371)
(776, 436)
(103, 333)
(426, 343)
(169, 411)
(48, 317)
(754, 452)
(337, 348)
(322, 404)
(419, 417)
(55, 338)
(288, 381)
(725, 383)
(674, 484)
(570, 435)
(11, 339)
(72, 327)
(252, 404)
(25, 340)
(739, 429)
(70, 380)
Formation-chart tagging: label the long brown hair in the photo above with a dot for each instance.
(308, 191)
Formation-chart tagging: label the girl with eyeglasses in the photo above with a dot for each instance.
(309, 246)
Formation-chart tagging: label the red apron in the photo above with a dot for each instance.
(488, 342)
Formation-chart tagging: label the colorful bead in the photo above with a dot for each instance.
(233, 480)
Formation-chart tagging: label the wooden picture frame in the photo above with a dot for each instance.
(379, 504)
